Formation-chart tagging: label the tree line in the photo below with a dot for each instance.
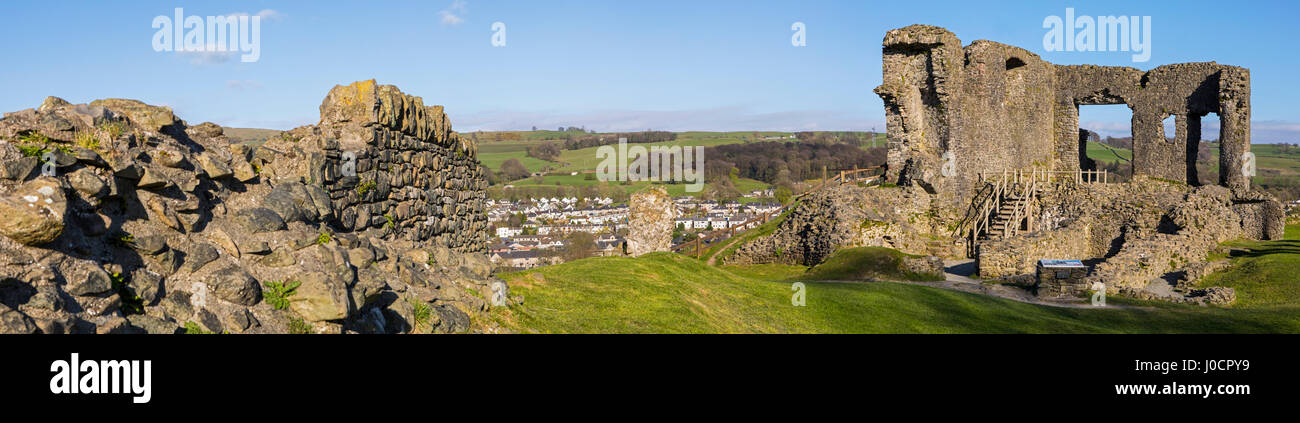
(779, 163)
(588, 141)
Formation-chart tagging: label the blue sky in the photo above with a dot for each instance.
(607, 65)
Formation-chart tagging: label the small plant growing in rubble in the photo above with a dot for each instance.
(365, 187)
(298, 327)
(421, 313)
(123, 239)
(87, 140)
(277, 293)
(131, 302)
(192, 328)
(112, 129)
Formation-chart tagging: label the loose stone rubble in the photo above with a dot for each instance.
(375, 216)
(849, 216)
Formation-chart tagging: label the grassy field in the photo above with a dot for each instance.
(250, 135)
(586, 159)
(581, 160)
(1103, 153)
(493, 153)
(1267, 156)
(670, 293)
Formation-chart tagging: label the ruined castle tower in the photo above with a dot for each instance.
(990, 107)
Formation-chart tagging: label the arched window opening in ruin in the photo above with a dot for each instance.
(1013, 63)
(1170, 128)
(1106, 140)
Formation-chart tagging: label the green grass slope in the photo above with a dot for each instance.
(1105, 154)
(1265, 274)
(670, 293)
(866, 263)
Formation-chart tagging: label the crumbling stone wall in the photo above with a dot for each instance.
(391, 163)
(1019, 255)
(904, 219)
(148, 224)
(923, 74)
(992, 107)
(1132, 234)
(1186, 91)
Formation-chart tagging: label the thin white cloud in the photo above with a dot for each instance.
(210, 57)
(1275, 125)
(243, 85)
(454, 14)
(265, 14)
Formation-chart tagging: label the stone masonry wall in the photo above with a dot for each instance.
(1020, 255)
(413, 176)
(122, 218)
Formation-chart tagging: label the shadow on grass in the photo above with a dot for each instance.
(1286, 246)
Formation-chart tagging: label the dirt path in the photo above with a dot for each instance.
(713, 259)
(957, 278)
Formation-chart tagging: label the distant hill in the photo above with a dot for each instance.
(250, 135)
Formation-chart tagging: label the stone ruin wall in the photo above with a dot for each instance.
(1018, 256)
(954, 112)
(1186, 91)
(414, 177)
(650, 222)
(148, 224)
(989, 104)
(997, 107)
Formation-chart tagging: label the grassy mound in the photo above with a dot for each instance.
(1265, 273)
(866, 263)
(670, 293)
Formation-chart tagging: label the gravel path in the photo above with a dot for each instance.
(957, 278)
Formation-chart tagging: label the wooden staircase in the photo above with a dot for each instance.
(1011, 216)
(1006, 202)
